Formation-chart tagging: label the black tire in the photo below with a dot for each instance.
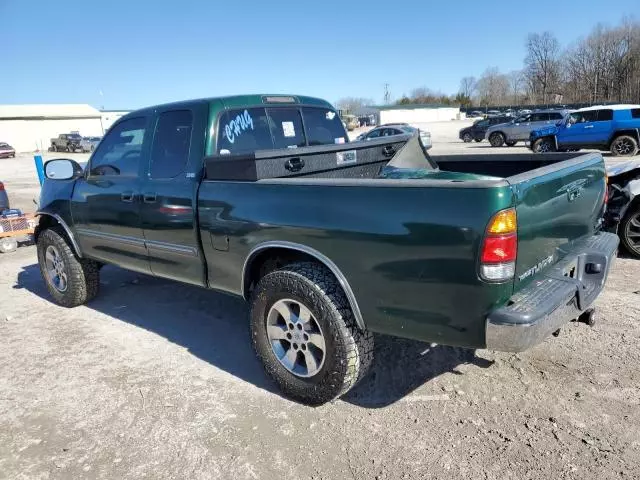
(511, 143)
(629, 228)
(83, 276)
(349, 350)
(478, 140)
(543, 145)
(8, 245)
(467, 138)
(71, 149)
(496, 139)
(13, 155)
(624, 146)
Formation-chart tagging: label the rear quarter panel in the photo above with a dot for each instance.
(408, 253)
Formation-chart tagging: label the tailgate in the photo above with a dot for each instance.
(556, 206)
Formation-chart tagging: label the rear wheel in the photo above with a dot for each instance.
(467, 138)
(543, 145)
(305, 333)
(70, 280)
(496, 139)
(624, 146)
(629, 231)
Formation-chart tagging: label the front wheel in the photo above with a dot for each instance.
(624, 146)
(496, 139)
(467, 138)
(70, 280)
(543, 145)
(629, 231)
(305, 334)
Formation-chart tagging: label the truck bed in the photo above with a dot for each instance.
(405, 231)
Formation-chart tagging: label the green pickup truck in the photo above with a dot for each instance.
(263, 196)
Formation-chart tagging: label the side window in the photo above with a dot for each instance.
(583, 117)
(539, 117)
(483, 123)
(323, 126)
(555, 116)
(171, 142)
(120, 151)
(244, 131)
(374, 133)
(605, 115)
(286, 128)
(635, 113)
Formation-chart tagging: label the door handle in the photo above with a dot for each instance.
(149, 198)
(126, 197)
(588, 126)
(294, 164)
(388, 151)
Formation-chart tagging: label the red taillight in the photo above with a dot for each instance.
(500, 249)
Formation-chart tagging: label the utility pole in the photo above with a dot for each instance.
(387, 95)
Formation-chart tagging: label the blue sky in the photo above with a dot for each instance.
(143, 52)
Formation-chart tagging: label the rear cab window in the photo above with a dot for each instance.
(243, 131)
(323, 126)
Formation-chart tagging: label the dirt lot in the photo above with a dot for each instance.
(157, 380)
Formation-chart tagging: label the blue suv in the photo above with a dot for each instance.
(612, 127)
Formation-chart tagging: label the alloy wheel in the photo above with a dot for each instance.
(296, 338)
(56, 270)
(632, 232)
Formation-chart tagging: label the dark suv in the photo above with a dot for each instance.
(478, 129)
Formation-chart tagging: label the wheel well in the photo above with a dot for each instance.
(47, 221)
(631, 133)
(44, 222)
(271, 258)
(268, 260)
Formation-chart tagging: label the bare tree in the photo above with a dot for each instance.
(542, 65)
(516, 86)
(492, 87)
(468, 86)
(352, 104)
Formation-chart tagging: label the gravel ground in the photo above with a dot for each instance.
(157, 380)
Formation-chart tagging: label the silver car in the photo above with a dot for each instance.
(519, 128)
(390, 129)
(89, 144)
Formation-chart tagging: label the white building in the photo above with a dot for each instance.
(28, 128)
(417, 114)
(110, 116)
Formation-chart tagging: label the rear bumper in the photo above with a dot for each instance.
(553, 298)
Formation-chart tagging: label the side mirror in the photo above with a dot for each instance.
(62, 169)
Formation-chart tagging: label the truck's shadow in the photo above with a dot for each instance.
(214, 328)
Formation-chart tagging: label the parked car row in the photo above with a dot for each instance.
(72, 142)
